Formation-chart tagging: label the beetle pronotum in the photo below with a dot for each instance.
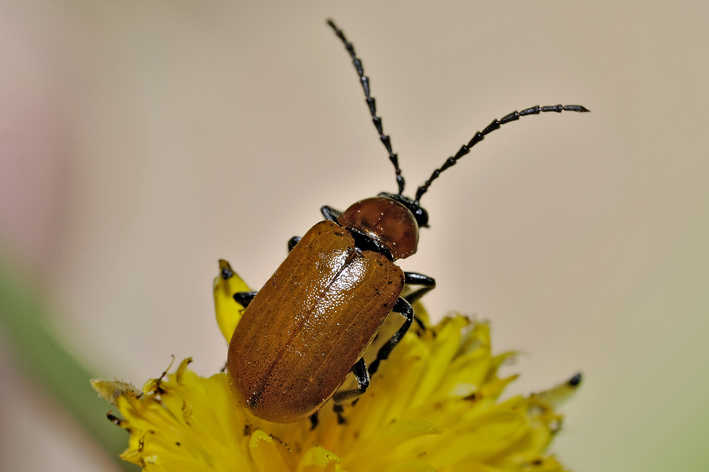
(310, 324)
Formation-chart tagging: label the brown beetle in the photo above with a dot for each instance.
(310, 324)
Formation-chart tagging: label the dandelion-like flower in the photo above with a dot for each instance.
(434, 405)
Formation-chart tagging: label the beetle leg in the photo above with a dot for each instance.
(414, 278)
(314, 420)
(244, 298)
(428, 283)
(330, 213)
(362, 375)
(292, 242)
(404, 309)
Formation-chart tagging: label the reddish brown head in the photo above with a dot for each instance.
(387, 222)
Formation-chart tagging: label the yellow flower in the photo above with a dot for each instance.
(434, 405)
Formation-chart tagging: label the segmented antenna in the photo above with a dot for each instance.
(371, 104)
(480, 135)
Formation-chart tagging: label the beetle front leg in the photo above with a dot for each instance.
(427, 283)
(330, 213)
(404, 309)
(414, 278)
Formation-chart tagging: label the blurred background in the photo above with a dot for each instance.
(141, 141)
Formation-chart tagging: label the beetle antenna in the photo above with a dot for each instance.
(480, 135)
(364, 80)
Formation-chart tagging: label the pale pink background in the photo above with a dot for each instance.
(141, 141)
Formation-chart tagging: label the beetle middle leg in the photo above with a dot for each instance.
(402, 307)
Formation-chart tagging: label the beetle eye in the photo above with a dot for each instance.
(421, 216)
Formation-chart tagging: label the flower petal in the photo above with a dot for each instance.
(433, 405)
(229, 312)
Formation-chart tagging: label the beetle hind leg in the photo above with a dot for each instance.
(359, 370)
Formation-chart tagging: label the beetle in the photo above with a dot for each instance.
(309, 325)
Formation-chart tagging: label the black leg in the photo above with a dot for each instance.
(360, 372)
(428, 283)
(244, 298)
(414, 278)
(403, 308)
(314, 420)
(292, 242)
(330, 213)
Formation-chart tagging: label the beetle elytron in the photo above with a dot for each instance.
(310, 324)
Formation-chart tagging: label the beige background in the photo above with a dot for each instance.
(141, 141)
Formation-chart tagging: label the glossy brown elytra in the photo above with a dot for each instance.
(310, 324)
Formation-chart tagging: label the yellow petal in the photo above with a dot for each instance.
(433, 405)
(110, 390)
(229, 312)
(317, 458)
